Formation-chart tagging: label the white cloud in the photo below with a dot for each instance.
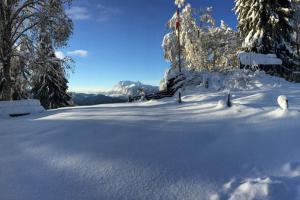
(80, 53)
(105, 13)
(99, 12)
(60, 54)
(78, 13)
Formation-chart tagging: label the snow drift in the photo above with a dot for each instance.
(254, 59)
(22, 107)
(235, 80)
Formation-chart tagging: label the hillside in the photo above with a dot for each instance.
(158, 149)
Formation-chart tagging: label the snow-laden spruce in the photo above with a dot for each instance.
(296, 35)
(266, 26)
(49, 82)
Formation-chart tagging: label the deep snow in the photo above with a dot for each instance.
(158, 149)
(8, 108)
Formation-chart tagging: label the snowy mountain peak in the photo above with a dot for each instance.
(131, 88)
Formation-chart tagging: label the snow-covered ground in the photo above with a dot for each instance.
(158, 149)
(23, 107)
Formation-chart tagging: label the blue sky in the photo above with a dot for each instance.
(118, 40)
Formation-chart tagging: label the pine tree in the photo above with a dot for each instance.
(266, 26)
(242, 8)
(296, 7)
(49, 82)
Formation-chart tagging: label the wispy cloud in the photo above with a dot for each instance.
(79, 53)
(78, 13)
(100, 12)
(105, 13)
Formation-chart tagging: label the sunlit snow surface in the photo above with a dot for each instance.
(158, 149)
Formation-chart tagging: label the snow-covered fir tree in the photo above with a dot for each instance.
(49, 81)
(266, 26)
(296, 7)
(242, 8)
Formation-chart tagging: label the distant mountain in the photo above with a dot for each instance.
(130, 88)
(118, 94)
(82, 99)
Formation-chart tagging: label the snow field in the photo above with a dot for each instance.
(158, 149)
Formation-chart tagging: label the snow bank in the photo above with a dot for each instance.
(22, 107)
(283, 102)
(252, 59)
(263, 188)
(284, 186)
(236, 80)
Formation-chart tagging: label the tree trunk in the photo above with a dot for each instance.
(298, 49)
(7, 85)
(6, 50)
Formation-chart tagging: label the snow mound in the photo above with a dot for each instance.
(283, 102)
(291, 169)
(252, 59)
(130, 88)
(221, 104)
(252, 189)
(8, 108)
(280, 113)
(236, 80)
(226, 102)
(263, 188)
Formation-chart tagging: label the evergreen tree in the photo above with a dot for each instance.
(49, 82)
(296, 7)
(242, 8)
(266, 26)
